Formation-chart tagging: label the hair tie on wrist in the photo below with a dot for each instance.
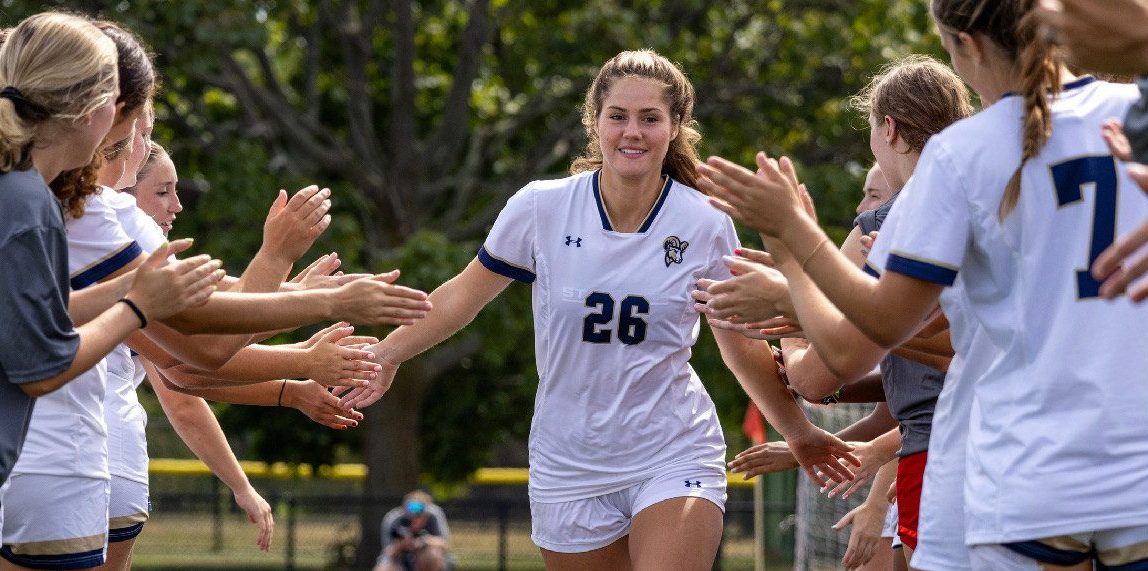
(282, 388)
(25, 109)
(135, 309)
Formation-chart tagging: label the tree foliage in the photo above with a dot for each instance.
(425, 116)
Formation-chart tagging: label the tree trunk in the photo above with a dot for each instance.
(391, 452)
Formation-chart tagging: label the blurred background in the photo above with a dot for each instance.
(424, 117)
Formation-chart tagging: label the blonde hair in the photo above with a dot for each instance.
(682, 158)
(920, 93)
(1015, 27)
(63, 68)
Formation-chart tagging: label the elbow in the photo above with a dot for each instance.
(38, 388)
(847, 368)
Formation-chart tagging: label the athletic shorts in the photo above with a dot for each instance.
(1123, 548)
(128, 509)
(55, 522)
(910, 476)
(593, 523)
(890, 528)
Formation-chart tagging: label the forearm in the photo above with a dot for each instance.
(203, 351)
(873, 425)
(882, 318)
(841, 350)
(97, 338)
(86, 304)
(806, 371)
(938, 362)
(232, 312)
(258, 363)
(752, 364)
(196, 424)
(266, 272)
(456, 303)
(887, 445)
(878, 498)
(867, 389)
(206, 387)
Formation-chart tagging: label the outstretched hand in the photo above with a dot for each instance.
(765, 458)
(766, 201)
(377, 301)
(823, 456)
(867, 521)
(336, 358)
(293, 225)
(259, 513)
(320, 405)
(756, 292)
(361, 397)
(161, 288)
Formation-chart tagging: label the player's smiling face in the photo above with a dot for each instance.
(635, 127)
(156, 194)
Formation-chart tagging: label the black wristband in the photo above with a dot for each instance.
(282, 388)
(136, 310)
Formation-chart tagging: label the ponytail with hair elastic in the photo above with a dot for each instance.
(1040, 70)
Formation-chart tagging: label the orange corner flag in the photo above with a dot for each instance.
(754, 424)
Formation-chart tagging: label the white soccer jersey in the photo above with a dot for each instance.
(125, 416)
(1056, 442)
(941, 517)
(68, 433)
(614, 323)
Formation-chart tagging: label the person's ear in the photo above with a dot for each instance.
(890, 128)
(972, 46)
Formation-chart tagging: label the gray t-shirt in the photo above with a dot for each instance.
(39, 340)
(911, 389)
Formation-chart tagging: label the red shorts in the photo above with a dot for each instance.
(910, 476)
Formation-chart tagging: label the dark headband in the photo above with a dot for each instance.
(25, 109)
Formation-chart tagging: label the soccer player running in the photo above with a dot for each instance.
(1016, 201)
(626, 452)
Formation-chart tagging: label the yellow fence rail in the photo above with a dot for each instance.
(481, 477)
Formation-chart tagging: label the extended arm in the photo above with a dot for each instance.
(887, 311)
(752, 364)
(455, 302)
(195, 423)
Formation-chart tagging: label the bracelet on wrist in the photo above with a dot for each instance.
(135, 309)
(282, 388)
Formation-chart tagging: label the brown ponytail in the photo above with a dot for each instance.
(1040, 69)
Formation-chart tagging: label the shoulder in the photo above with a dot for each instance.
(695, 204)
(553, 188)
(25, 203)
(120, 201)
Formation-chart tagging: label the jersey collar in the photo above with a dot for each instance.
(649, 221)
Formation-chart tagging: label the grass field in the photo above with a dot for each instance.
(178, 541)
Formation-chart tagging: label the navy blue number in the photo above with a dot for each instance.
(590, 331)
(1070, 177)
(632, 328)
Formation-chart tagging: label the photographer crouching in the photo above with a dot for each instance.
(415, 536)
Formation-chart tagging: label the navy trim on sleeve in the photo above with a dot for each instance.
(921, 270)
(107, 267)
(504, 268)
(869, 269)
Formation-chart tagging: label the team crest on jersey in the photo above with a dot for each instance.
(674, 247)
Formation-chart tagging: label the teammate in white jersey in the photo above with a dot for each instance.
(1019, 199)
(626, 453)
